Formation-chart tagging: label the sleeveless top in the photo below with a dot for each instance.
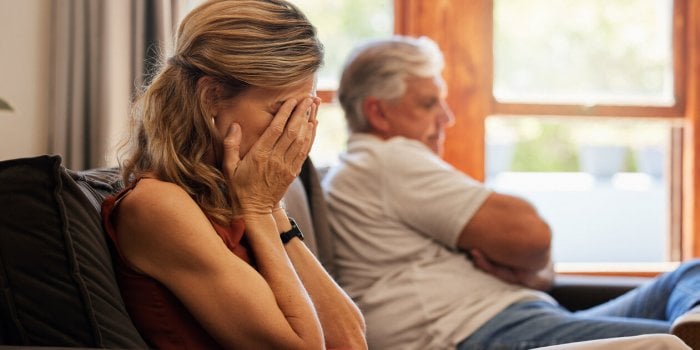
(159, 316)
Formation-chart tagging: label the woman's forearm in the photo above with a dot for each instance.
(342, 322)
(277, 269)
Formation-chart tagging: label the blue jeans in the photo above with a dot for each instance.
(650, 308)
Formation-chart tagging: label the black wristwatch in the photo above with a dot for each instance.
(293, 232)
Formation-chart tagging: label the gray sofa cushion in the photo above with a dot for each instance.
(56, 275)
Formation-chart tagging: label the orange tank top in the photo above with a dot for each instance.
(158, 315)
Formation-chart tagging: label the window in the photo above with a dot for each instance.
(488, 109)
(585, 52)
(341, 26)
(604, 184)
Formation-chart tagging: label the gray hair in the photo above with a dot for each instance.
(379, 69)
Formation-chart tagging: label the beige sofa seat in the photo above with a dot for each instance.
(639, 342)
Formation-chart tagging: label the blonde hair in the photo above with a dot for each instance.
(238, 44)
(379, 68)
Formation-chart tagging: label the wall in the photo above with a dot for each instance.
(24, 76)
(25, 49)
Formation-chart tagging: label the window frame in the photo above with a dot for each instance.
(605, 110)
(469, 76)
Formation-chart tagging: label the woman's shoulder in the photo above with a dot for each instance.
(158, 224)
(155, 191)
(152, 200)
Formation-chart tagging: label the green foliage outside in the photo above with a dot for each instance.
(593, 51)
(544, 144)
(553, 150)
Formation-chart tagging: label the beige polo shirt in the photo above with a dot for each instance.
(397, 210)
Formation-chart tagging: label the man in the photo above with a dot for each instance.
(433, 258)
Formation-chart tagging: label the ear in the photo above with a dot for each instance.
(373, 110)
(208, 93)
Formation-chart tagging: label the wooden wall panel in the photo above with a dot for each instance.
(691, 160)
(463, 30)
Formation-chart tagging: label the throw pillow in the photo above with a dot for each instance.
(56, 279)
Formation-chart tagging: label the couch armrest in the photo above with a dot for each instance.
(578, 292)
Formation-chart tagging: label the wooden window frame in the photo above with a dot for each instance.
(464, 31)
(602, 110)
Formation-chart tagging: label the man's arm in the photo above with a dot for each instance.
(509, 239)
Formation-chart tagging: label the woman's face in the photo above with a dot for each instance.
(254, 108)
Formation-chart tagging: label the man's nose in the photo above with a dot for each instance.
(447, 118)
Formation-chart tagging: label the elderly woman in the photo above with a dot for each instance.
(207, 257)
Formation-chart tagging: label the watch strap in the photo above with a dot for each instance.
(293, 232)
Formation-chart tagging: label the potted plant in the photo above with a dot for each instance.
(4, 106)
(603, 146)
(649, 141)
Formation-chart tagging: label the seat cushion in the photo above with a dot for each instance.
(56, 277)
(638, 342)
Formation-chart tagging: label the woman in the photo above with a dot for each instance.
(220, 134)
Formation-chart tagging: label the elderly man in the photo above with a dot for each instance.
(434, 259)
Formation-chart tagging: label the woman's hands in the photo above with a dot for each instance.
(259, 180)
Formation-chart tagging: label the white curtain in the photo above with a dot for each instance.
(155, 23)
(102, 51)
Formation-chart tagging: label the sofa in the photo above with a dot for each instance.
(56, 276)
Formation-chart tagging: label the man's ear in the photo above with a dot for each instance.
(375, 115)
